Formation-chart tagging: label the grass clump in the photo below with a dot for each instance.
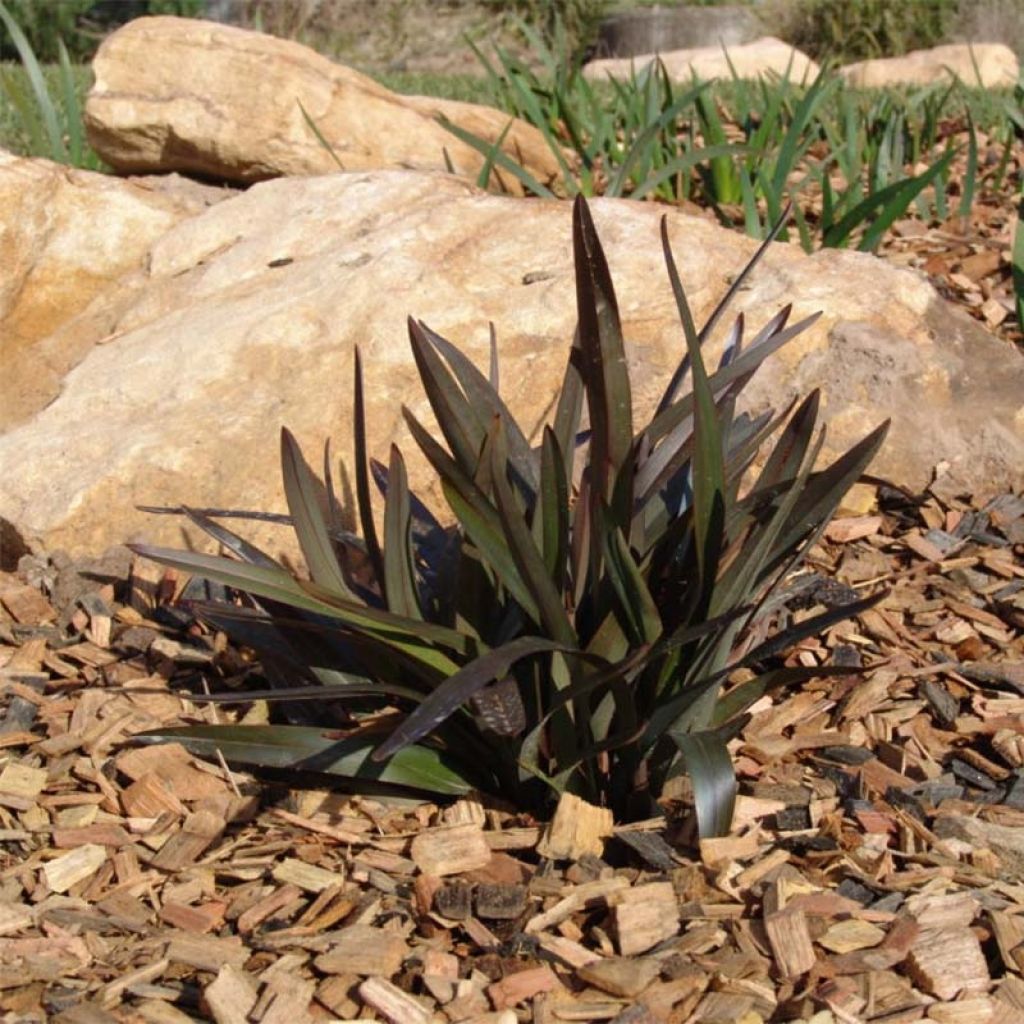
(44, 105)
(576, 628)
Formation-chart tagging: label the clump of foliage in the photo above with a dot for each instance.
(576, 627)
(78, 26)
(845, 159)
(850, 30)
(49, 121)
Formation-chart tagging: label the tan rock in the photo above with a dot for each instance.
(764, 56)
(991, 65)
(66, 236)
(247, 315)
(173, 94)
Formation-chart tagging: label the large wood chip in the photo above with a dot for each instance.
(644, 916)
(392, 1003)
(207, 952)
(231, 996)
(306, 876)
(577, 828)
(21, 780)
(625, 977)
(451, 850)
(947, 961)
(790, 940)
(14, 917)
(197, 833)
(852, 934)
(517, 987)
(364, 950)
(74, 866)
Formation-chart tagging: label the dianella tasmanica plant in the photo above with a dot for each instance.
(576, 618)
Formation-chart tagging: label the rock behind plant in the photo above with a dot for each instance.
(247, 315)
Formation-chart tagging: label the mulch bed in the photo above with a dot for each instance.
(875, 871)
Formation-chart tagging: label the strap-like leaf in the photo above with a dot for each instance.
(363, 500)
(529, 561)
(458, 688)
(459, 420)
(606, 378)
(399, 571)
(300, 490)
(321, 750)
(714, 780)
(483, 395)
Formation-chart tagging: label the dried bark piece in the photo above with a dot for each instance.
(454, 901)
(394, 1004)
(27, 605)
(74, 866)
(577, 828)
(22, 781)
(522, 985)
(850, 935)
(149, 797)
(363, 949)
(947, 961)
(979, 1010)
(644, 916)
(450, 850)
(289, 1000)
(207, 952)
(308, 877)
(14, 917)
(500, 902)
(231, 995)
(625, 977)
(790, 940)
(197, 833)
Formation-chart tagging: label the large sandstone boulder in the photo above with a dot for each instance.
(172, 94)
(991, 65)
(66, 235)
(246, 318)
(765, 56)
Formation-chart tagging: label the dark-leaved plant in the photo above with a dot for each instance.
(576, 626)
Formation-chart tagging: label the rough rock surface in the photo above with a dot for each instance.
(173, 94)
(767, 55)
(994, 63)
(66, 235)
(247, 315)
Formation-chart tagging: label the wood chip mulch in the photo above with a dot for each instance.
(875, 871)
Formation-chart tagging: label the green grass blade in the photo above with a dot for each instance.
(482, 394)
(320, 137)
(505, 162)
(458, 418)
(72, 108)
(1018, 264)
(970, 179)
(890, 203)
(45, 110)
